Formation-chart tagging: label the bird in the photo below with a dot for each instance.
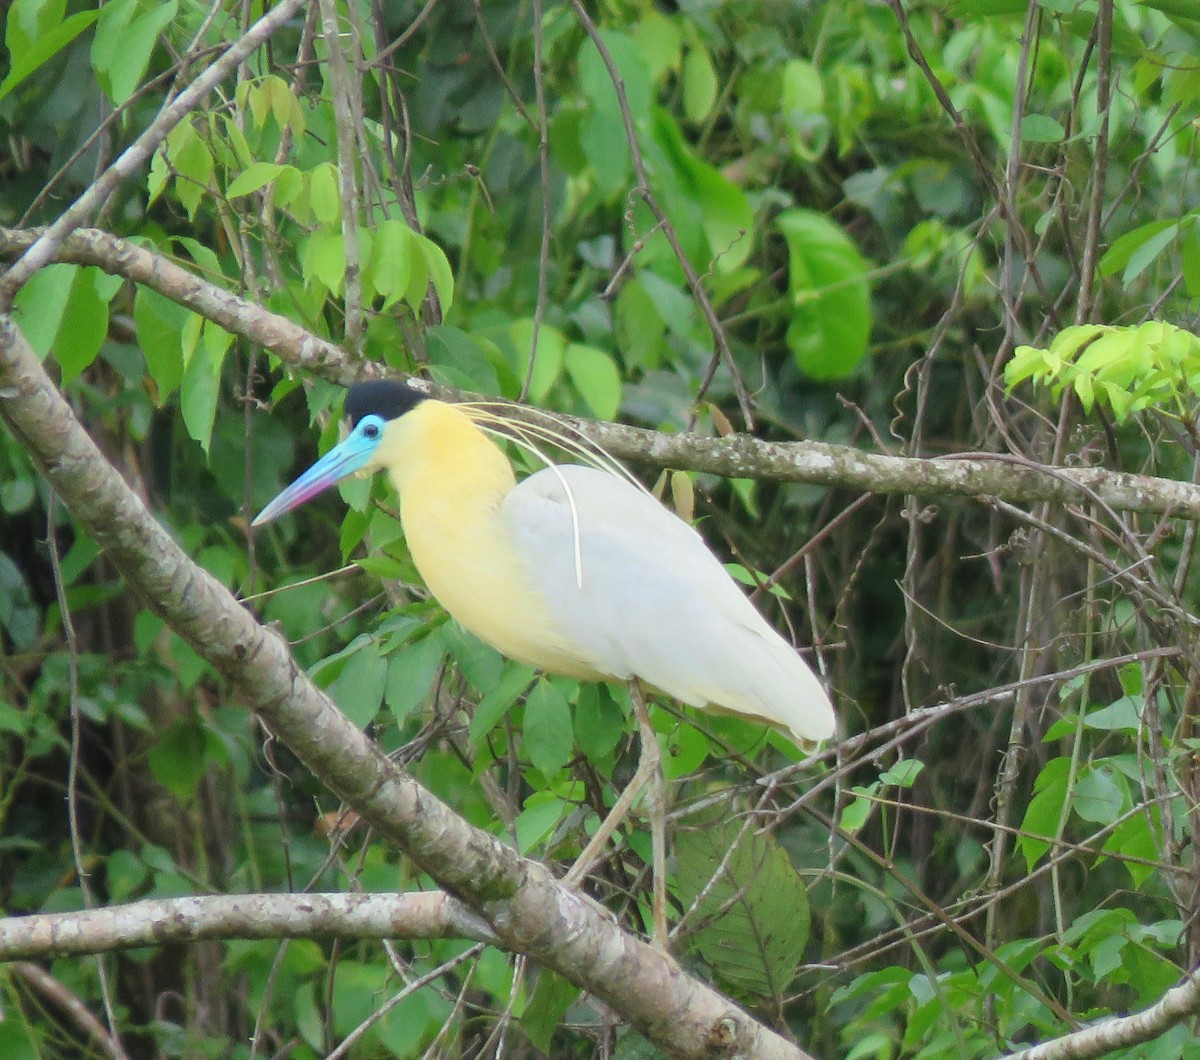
(575, 570)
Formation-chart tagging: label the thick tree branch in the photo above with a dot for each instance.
(738, 456)
(419, 915)
(530, 911)
(1176, 1005)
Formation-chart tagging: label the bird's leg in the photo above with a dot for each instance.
(648, 772)
(656, 806)
(647, 766)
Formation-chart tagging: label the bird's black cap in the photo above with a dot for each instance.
(381, 397)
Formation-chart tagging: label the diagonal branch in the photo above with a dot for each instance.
(1176, 1005)
(528, 909)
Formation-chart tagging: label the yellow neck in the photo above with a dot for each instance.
(452, 480)
(439, 460)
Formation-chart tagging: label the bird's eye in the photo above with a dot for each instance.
(370, 430)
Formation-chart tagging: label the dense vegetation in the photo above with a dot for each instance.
(831, 221)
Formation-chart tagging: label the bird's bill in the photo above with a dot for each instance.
(340, 462)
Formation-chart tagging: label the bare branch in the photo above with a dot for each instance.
(419, 915)
(56, 992)
(737, 456)
(1176, 1005)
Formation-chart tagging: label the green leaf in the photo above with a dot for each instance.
(602, 132)
(29, 55)
(406, 1024)
(499, 700)
(699, 84)
(659, 41)
(596, 82)
(193, 164)
(440, 273)
(359, 688)
(323, 194)
(200, 387)
(160, 324)
(121, 50)
(715, 220)
(177, 759)
(1144, 256)
(855, 813)
(1180, 8)
(20, 617)
(253, 178)
(357, 992)
(124, 874)
(539, 817)
(904, 773)
(595, 376)
(411, 672)
(599, 722)
(41, 304)
(1134, 837)
(640, 326)
(1117, 256)
(325, 258)
(453, 354)
(1190, 259)
(758, 906)
(1041, 129)
(549, 737)
(1133, 680)
(1101, 795)
(20, 1041)
(552, 996)
(671, 305)
(393, 260)
(551, 349)
(684, 750)
(1044, 810)
(1124, 713)
(827, 277)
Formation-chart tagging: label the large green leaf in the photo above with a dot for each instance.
(200, 387)
(831, 296)
(41, 303)
(542, 1016)
(27, 54)
(160, 325)
(549, 736)
(595, 376)
(359, 688)
(755, 913)
(124, 41)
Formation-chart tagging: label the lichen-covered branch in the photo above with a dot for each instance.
(420, 915)
(739, 455)
(1100, 1039)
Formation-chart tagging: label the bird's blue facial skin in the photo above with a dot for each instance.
(342, 460)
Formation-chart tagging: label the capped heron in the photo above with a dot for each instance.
(575, 571)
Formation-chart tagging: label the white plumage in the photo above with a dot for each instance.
(654, 602)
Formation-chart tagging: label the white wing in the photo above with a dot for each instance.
(655, 603)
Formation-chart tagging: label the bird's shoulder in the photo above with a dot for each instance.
(604, 504)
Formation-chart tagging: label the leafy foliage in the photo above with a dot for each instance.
(885, 243)
(1128, 369)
